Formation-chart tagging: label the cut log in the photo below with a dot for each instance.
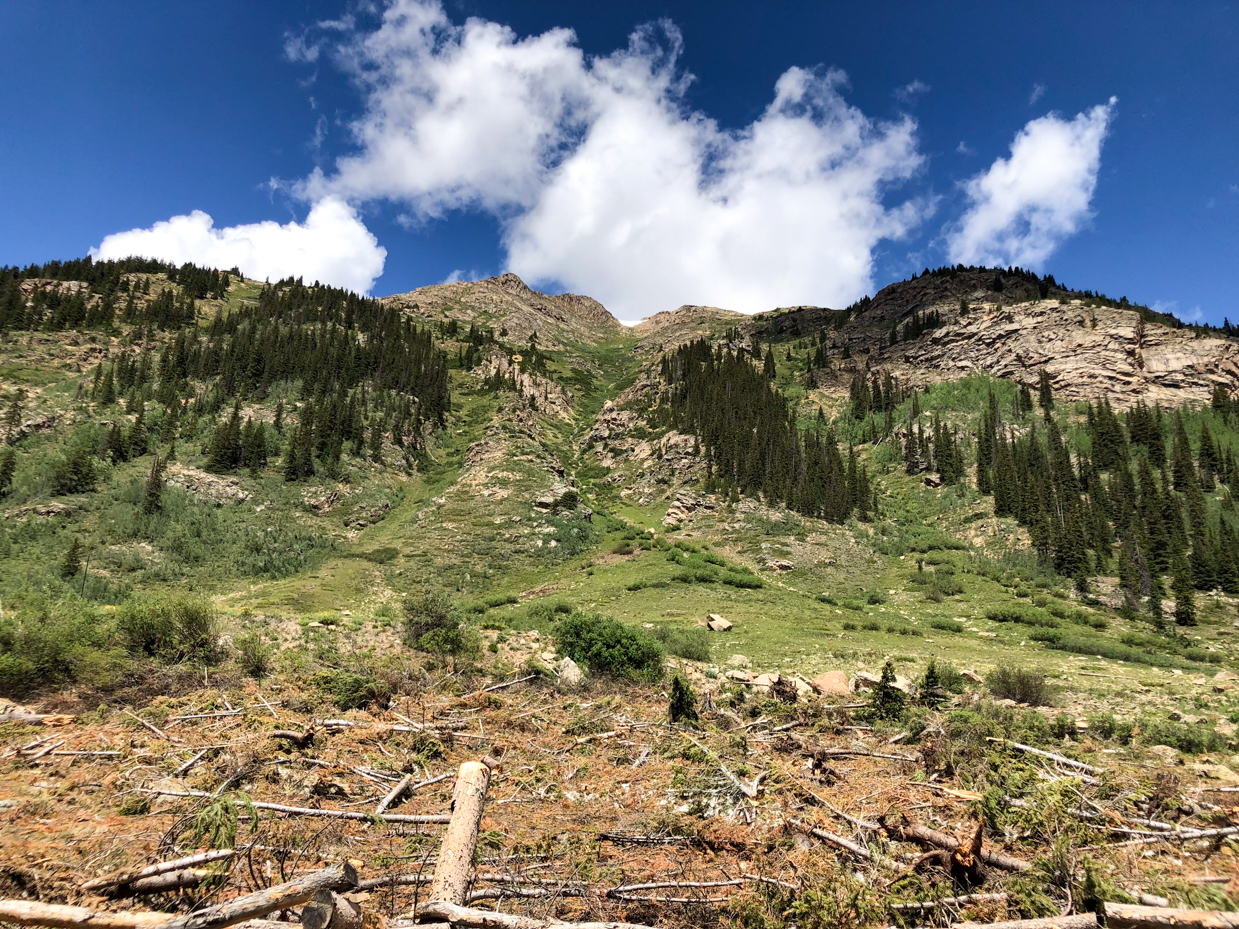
(128, 877)
(155, 729)
(451, 880)
(262, 902)
(1128, 916)
(328, 910)
(963, 900)
(395, 794)
(915, 832)
(487, 919)
(1079, 921)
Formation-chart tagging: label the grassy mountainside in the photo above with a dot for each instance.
(205, 477)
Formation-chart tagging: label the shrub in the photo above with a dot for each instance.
(1189, 739)
(171, 630)
(1025, 616)
(683, 701)
(548, 611)
(254, 654)
(349, 690)
(607, 646)
(875, 597)
(1019, 684)
(887, 701)
(425, 612)
(946, 625)
(691, 642)
(46, 644)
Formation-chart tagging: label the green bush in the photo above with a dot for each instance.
(691, 642)
(170, 630)
(1025, 616)
(350, 691)
(45, 644)
(254, 654)
(683, 701)
(1019, 684)
(946, 625)
(1189, 739)
(607, 646)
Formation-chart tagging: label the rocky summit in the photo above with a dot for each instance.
(915, 609)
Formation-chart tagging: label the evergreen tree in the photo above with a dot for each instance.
(1045, 393)
(376, 440)
(1184, 600)
(683, 701)
(107, 389)
(72, 562)
(152, 491)
(887, 701)
(8, 465)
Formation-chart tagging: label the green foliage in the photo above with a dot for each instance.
(254, 653)
(351, 690)
(607, 646)
(72, 562)
(683, 701)
(1019, 684)
(47, 643)
(946, 625)
(171, 630)
(1191, 739)
(215, 824)
(1025, 616)
(691, 642)
(887, 701)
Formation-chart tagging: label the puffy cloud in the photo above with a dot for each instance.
(332, 246)
(605, 182)
(909, 92)
(1022, 207)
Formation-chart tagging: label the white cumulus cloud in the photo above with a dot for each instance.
(603, 179)
(1022, 207)
(332, 246)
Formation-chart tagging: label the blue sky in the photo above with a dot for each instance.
(746, 155)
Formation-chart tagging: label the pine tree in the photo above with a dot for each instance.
(107, 390)
(1045, 393)
(376, 440)
(683, 701)
(152, 492)
(887, 701)
(72, 562)
(1184, 600)
(8, 465)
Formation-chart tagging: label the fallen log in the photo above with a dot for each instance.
(1079, 921)
(487, 919)
(1129, 916)
(427, 819)
(405, 787)
(915, 832)
(262, 902)
(56, 916)
(451, 878)
(163, 883)
(300, 739)
(128, 877)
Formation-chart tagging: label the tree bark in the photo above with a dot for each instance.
(328, 910)
(1079, 921)
(262, 902)
(857, 850)
(163, 883)
(487, 919)
(395, 794)
(1127, 916)
(55, 916)
(128, 877)
(451, 880)
(915, 832)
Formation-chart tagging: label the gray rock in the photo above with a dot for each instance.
(571, 677)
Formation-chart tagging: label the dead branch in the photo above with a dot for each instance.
(189, 765)
(155, 729)
(750, 792)
(55, 916)
(842, 752)
(663, 885)
(428, 819)
(1040, 753)
(1128, 916)
(963, 900)
(493, 687)
(487, 919)
(846, 845)
(394, 794)
(909, 831)
(128, 877)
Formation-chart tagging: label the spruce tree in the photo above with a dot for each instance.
(1184, 599)
(1045, 393)
(887, 701)
(72, 562)
(152, 491)
(8, 465)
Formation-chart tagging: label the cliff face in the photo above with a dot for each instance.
(1088, 353)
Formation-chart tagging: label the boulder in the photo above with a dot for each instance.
(740, 675)
(716, 623)
(1226, 676)
(831, 684)
(866, 680)
(738, 661)
(571, 677)
(972, 676)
